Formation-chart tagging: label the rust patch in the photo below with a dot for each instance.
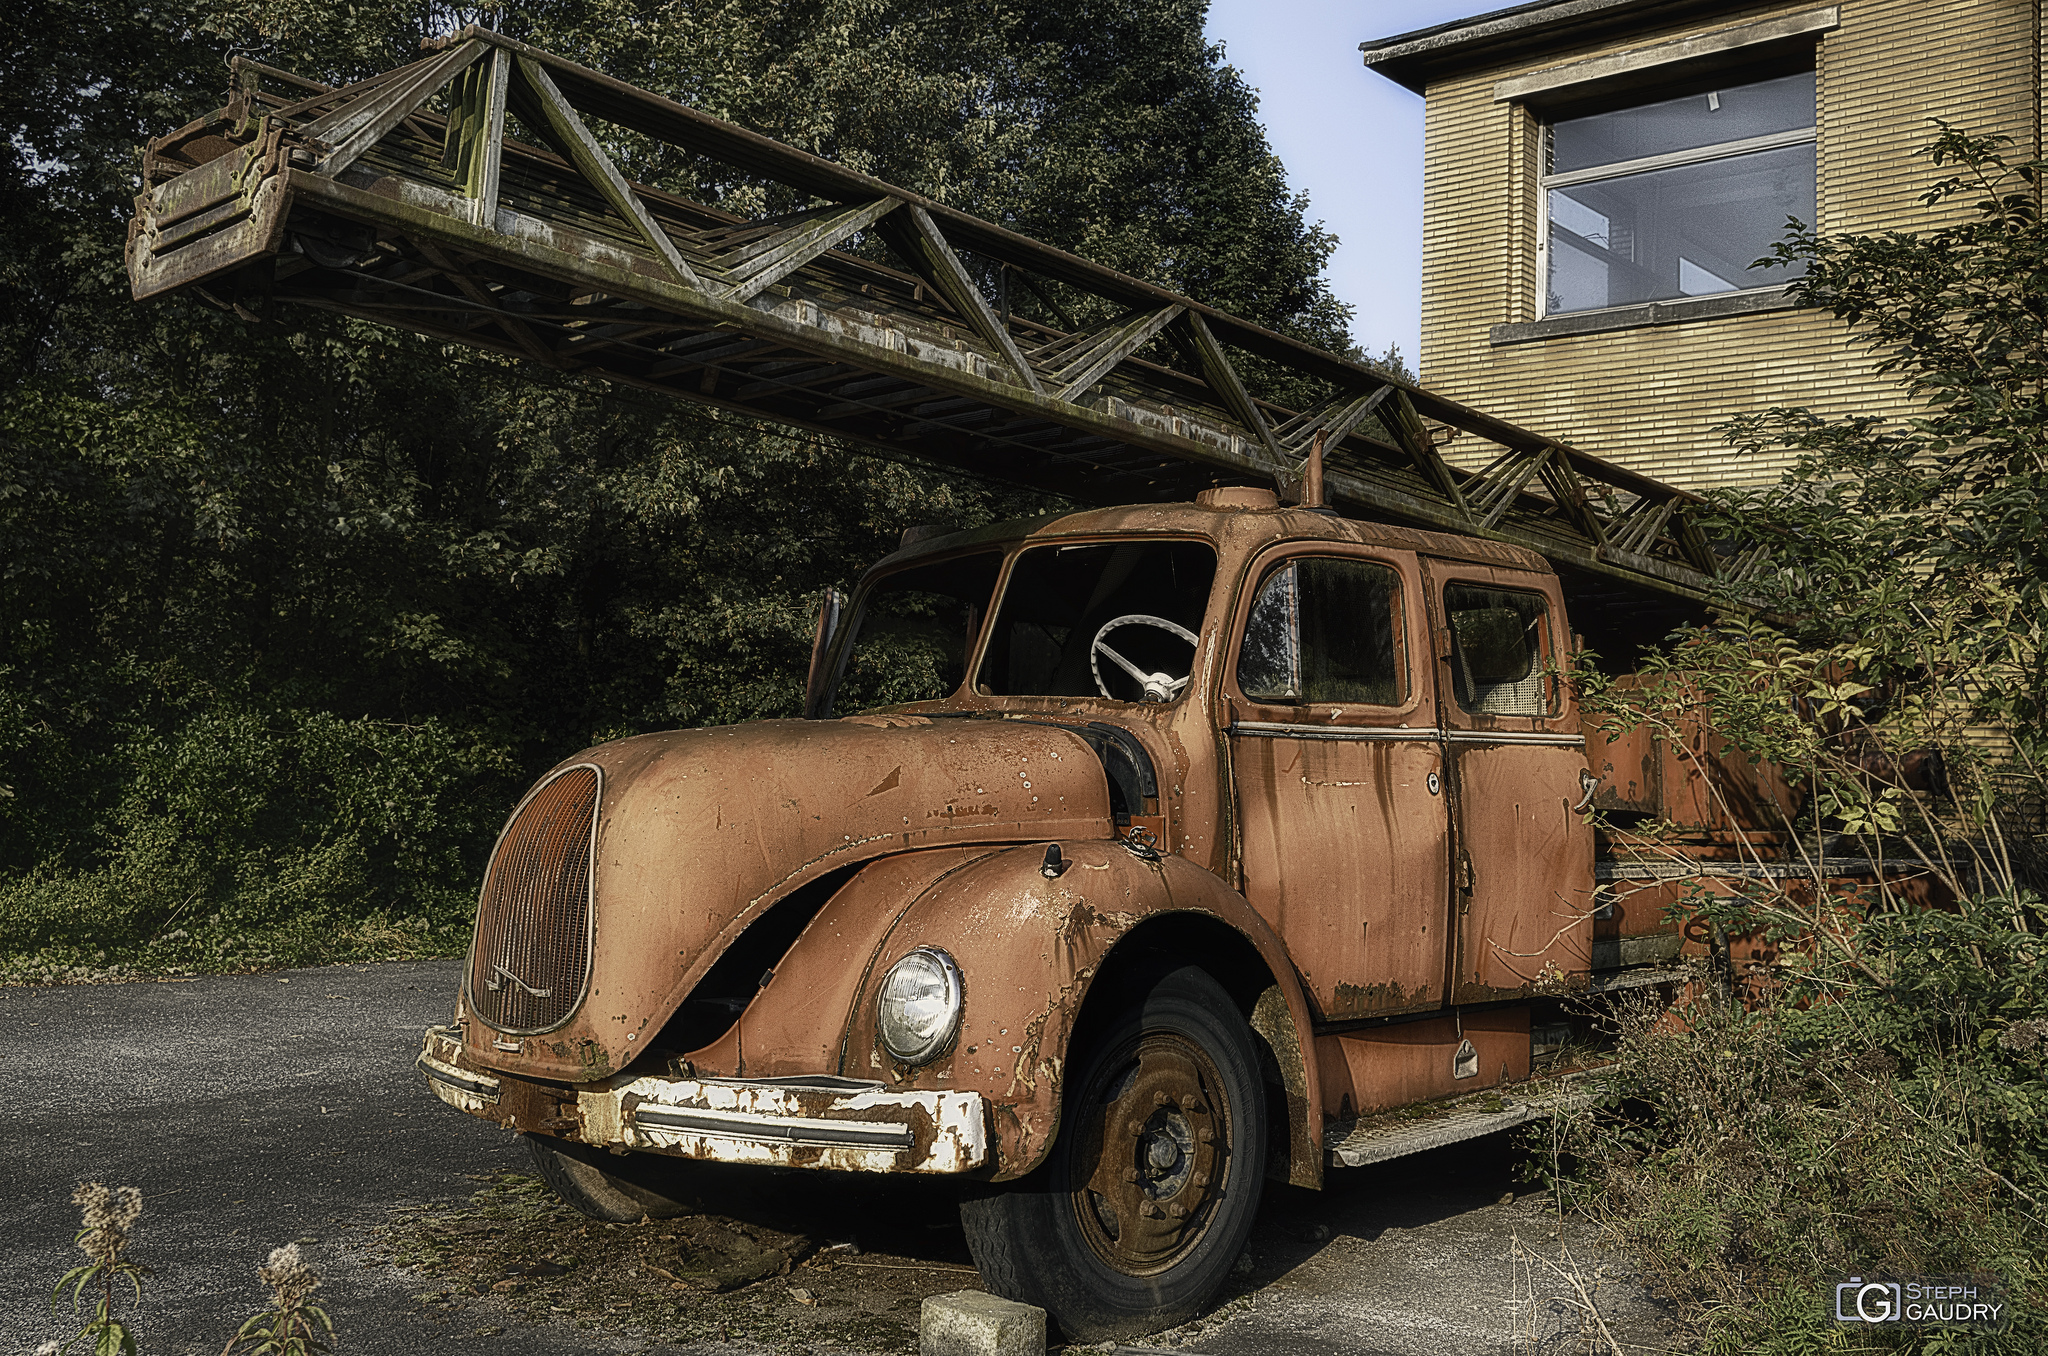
(960, 811)
(1361, 1000)
(595, 1064)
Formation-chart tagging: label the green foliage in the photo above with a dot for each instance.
(1752, 1156)
(292, 611)
(1872, 1097)
(293, 1325)
(1928, 535)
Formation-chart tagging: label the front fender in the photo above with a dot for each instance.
(1029, 949)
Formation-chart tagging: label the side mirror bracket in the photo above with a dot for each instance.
(818, 684)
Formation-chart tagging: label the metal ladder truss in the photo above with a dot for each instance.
(403, 199)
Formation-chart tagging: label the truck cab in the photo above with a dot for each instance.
(1121, 854)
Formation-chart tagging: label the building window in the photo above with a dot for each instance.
(1676, 198)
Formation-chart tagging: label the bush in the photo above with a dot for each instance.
(1874, 1098)
(1752, 1155)
(268, 835)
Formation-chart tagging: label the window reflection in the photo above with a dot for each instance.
(1323, 630)
(1690, 223)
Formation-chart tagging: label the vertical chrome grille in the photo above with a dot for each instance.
(532, 953)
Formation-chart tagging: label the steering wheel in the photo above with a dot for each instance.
(1155, 687)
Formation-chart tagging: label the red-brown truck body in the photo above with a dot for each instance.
(1382, 884)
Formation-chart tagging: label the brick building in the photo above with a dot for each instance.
(1598, 174)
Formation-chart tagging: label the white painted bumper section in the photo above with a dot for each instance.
(817, 1122)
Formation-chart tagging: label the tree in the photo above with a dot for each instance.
(292, 611)
(1927, 537)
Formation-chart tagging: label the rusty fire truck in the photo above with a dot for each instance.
(1229, 818)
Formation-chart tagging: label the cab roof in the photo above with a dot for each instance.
(1218, 522)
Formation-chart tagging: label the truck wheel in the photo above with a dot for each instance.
(1147, 1198)
(605, 1186)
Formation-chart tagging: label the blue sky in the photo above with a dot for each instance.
(1350, 139)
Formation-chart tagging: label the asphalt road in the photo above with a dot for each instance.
(254, 1110)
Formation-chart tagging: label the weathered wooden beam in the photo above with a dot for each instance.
(513, 326)
(592, 162)
(1397, 412)
(1747, 565)
(488, 165)
(800, 376)
(1570, 493)
(760, 266)
(927, 251)
(1091, 361)
(1334, 418)
(699, 358)
(1223, 380)
(1636, 529)
(1694, 546)
(842, 345)
(1490, 495)
(360, 124)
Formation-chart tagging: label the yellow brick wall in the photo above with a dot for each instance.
(1649, 398)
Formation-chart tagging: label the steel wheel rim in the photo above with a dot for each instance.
(1156, 1130)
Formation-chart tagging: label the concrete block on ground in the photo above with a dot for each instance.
(972, 1323)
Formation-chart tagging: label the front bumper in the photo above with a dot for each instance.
(815, 1122)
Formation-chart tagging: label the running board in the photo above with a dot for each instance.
(1376, 1139)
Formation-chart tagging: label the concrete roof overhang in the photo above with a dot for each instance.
(1544, 28)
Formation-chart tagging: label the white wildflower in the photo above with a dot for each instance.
(290, 1277)
(106, 1218)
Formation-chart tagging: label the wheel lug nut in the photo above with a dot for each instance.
(1130, 1174)
(1136, 1129)
(1160, 1099)
(1177, 1211)
(1205, 1135)
(1201, 1179)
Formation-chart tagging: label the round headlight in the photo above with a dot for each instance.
(918, 1010)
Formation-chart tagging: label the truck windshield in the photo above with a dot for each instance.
(917, 627)
(1109, 619)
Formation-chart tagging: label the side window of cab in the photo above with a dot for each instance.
(1498, 660)
(1325, 630)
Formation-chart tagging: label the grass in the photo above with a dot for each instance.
(1749, 1157)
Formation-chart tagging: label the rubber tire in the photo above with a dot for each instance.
(611, 1187)
(1024, 1239)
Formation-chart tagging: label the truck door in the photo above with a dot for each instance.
(1339, 776)
(1523, 865)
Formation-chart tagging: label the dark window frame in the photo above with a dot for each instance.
(1544, 663)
